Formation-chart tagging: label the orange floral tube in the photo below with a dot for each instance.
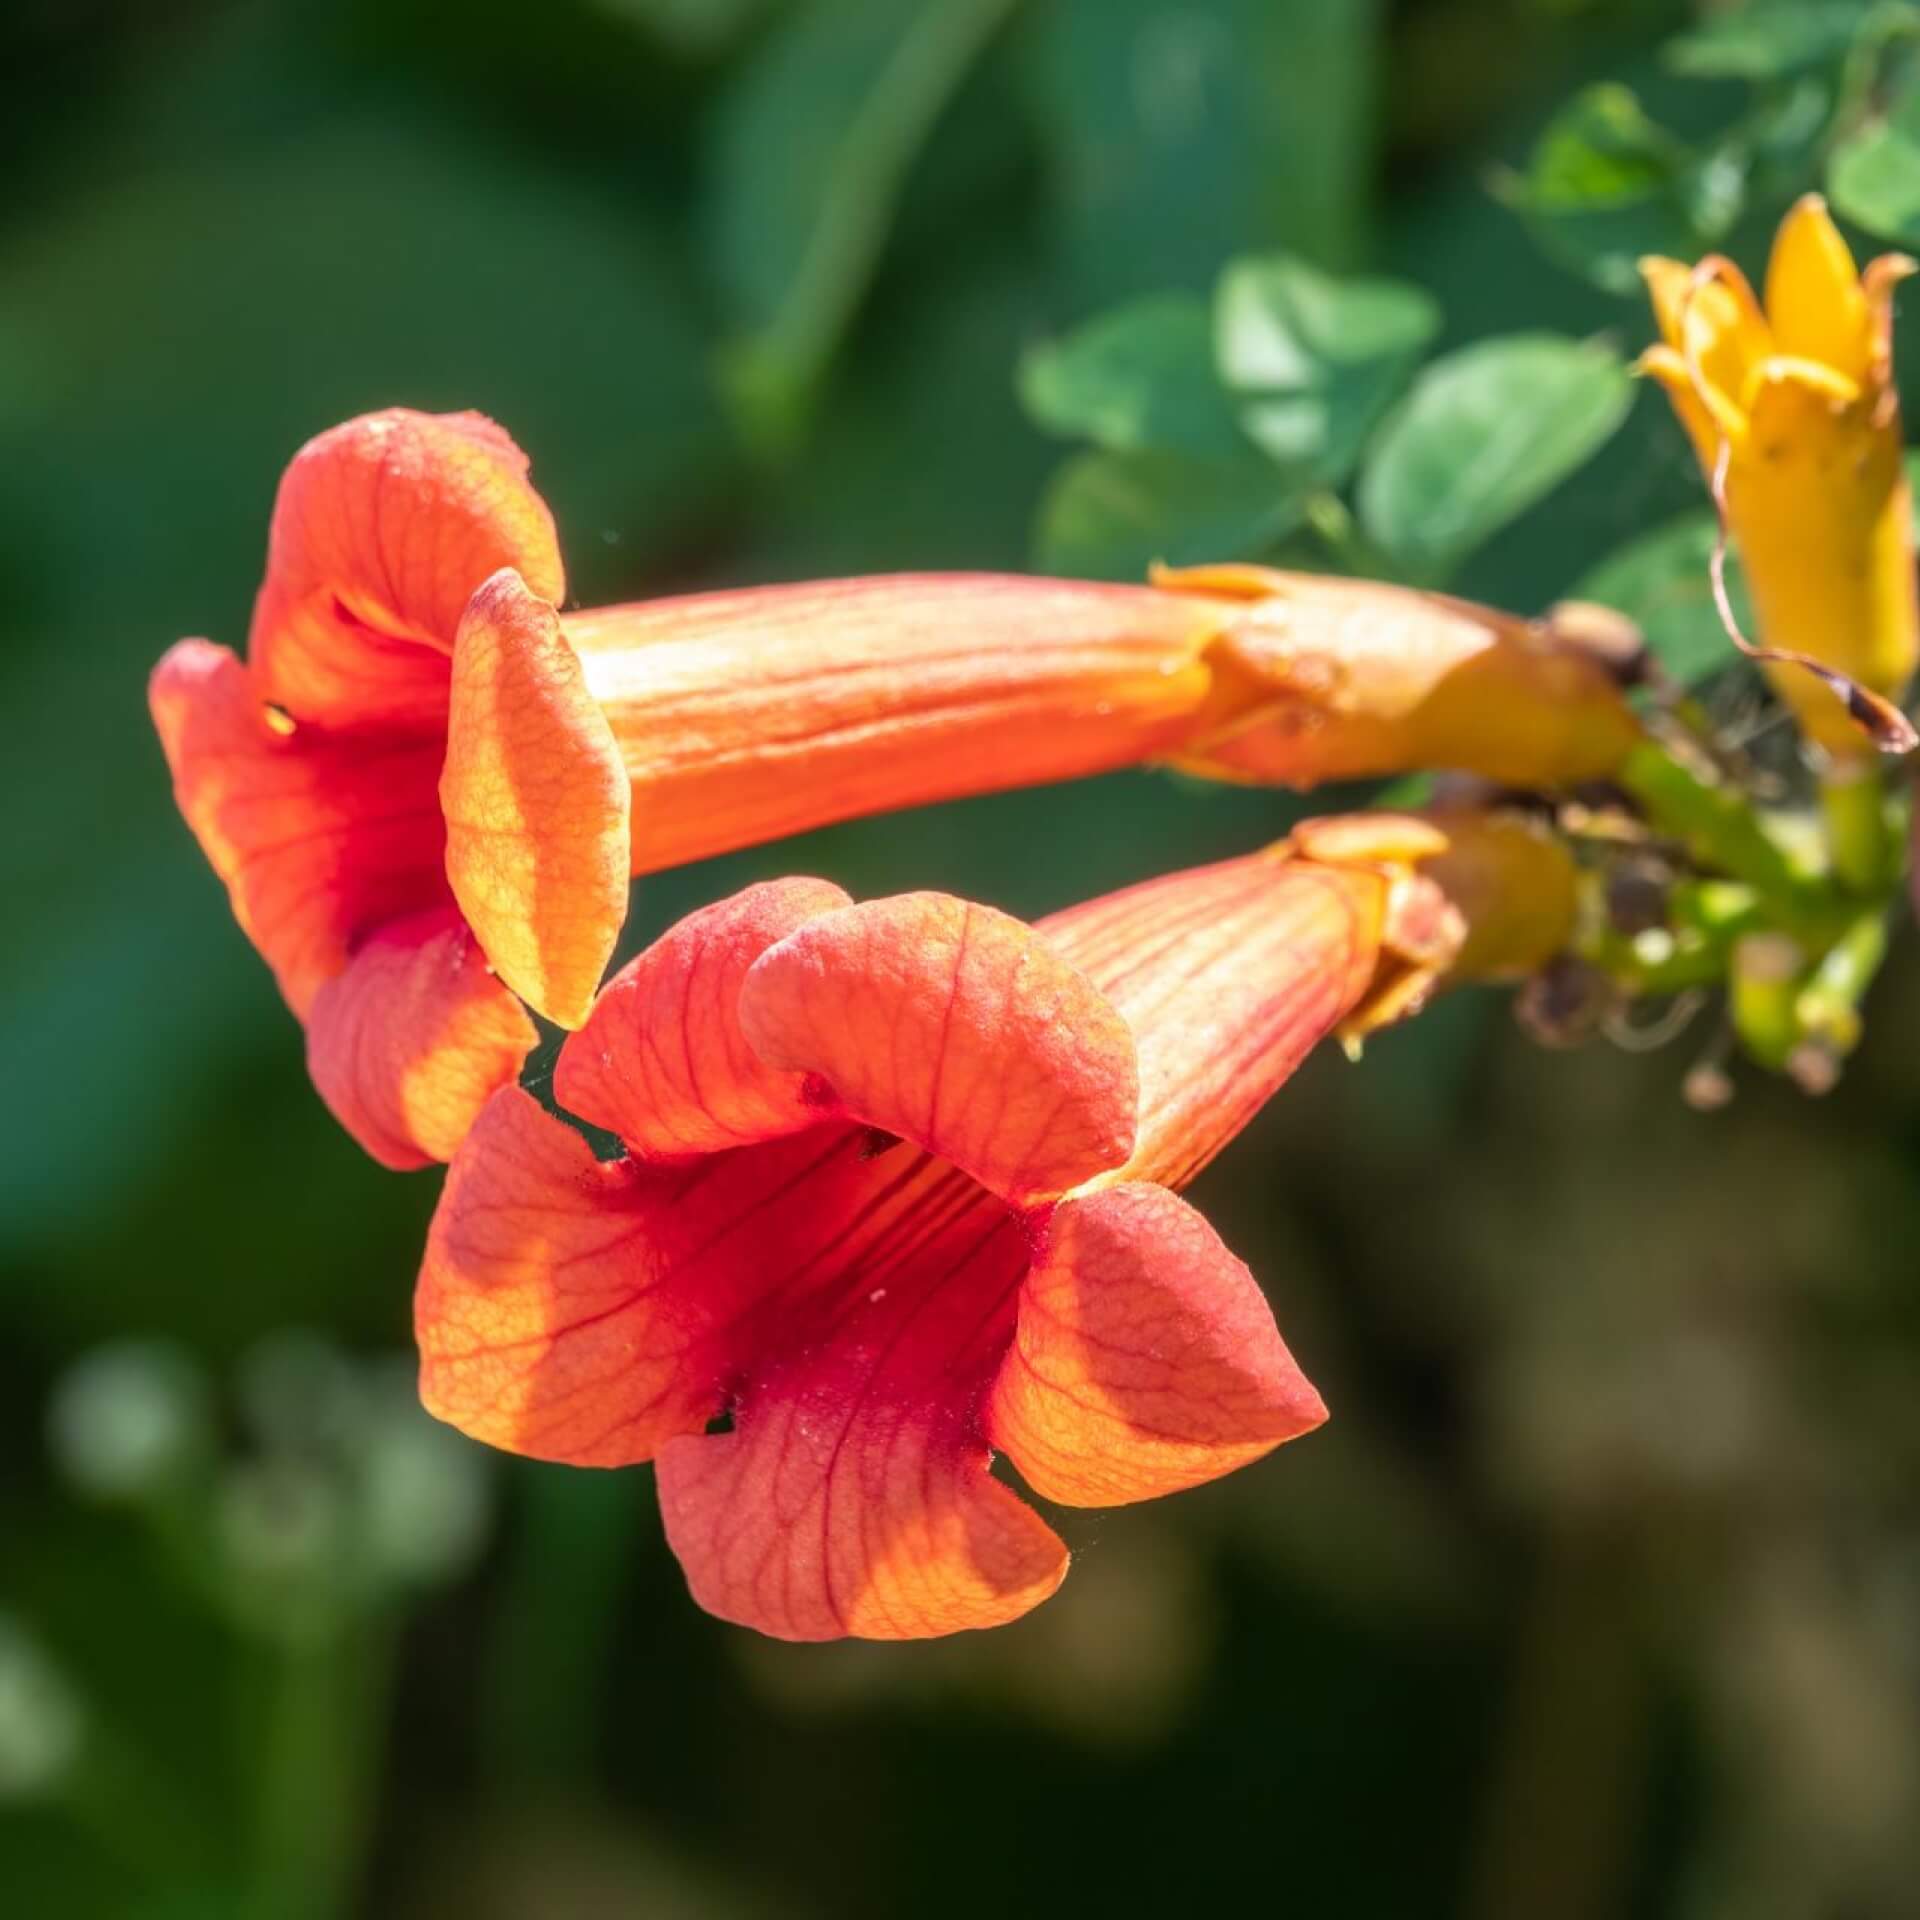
(426, 787)
(1798, 400)
(897, 1192)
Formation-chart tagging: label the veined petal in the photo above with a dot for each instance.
(1145, 1359)
(1815, 302)
(745, 716)
(409, 1042)
(662, 1060)
(318, 837)
(382, 529)
(554, 1316)
(852, 1495)
(536, 801)
(1228, 977)
(956, 1027)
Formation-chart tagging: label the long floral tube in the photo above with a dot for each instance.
(897, 1191)
(427, 787)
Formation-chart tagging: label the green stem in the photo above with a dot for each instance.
(1762, 988)
(1853, 804)
(1720, 830)
(1827, 1011)
(326, 1702)
(1340, 533)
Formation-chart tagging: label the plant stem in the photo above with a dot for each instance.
(326, 1703)
(1719, 828)
(1853, 804)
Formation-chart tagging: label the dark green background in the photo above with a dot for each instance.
(1599, 1595)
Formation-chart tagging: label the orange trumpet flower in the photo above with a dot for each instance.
(897, 1191)
(426, 787)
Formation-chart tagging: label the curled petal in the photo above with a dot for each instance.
(319, 837)
(553, 1316)
(662, 1060)
(954, 1026)
(409, 1042)
(382, 529)
(1145, 1358)
(852, 1495)
(536, 801)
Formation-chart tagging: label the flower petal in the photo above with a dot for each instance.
(319, 837)
(662, 1060)
(408, 1043)
(1815, 302)
(1145, 1358)
(956, 1027)
(560, 1312)
(852, 1495)
(536, 802)
(382, 529)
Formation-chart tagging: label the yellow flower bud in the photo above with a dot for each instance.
(1797, 399)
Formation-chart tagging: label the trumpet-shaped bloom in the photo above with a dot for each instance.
(427, 786)
(896, 1190)
(1798, 400)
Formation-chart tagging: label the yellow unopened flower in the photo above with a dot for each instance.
(1797, 399)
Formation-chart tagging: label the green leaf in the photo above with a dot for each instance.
(1605, 185)
(1317, 359)
(1139, 377)
(1112, 515)
(1873, 176)
(1766, 41)
(1661, 582)
(1485, 433)
(812, 150)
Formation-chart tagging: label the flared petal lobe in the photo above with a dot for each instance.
(536, 802)
(382, 529)
(319, 837)
(407, 1043)
(1145, 1358)
(952, 1025)
(663, 1060)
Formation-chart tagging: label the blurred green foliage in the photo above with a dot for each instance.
(1596, 1596)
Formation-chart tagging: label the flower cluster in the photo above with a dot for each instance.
(896, 1182)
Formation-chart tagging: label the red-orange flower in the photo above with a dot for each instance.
(426, 787)
(896, 1191)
